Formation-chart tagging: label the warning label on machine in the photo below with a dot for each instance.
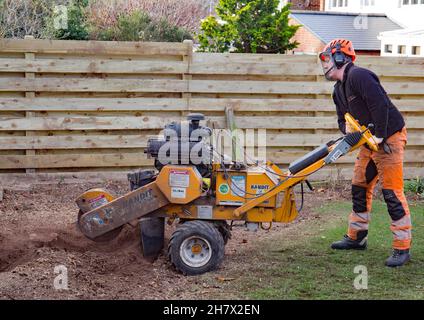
(179, 178)
(97, 202)
(238, 186)
(178, 193)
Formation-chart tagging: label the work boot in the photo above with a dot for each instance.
(348, 243)
(398, 258)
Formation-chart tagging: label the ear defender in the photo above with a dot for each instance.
(339, 56)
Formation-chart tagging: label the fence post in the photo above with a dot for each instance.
(29, 56)
(187, 58)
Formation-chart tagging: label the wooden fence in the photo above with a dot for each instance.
(74, 106)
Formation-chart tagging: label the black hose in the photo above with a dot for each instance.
(302, 192)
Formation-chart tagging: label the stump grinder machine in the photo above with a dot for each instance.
(202, 198)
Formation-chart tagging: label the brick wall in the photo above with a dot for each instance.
(311, 5)
(309, 43)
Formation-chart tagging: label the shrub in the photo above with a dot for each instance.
(76, 27)
(139, 26)
(415, 186)
(19, 18)
(248, 26)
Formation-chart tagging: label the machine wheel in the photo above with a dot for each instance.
(108, 236)
(196, 247)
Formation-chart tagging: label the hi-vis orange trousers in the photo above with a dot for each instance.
(370, 167)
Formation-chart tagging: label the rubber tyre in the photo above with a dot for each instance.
(224, 229)
(204, 230)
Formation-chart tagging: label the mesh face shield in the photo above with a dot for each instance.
(327, 63)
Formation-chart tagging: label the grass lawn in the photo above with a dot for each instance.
(302, 265)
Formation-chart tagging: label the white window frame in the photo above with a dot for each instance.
(412, 50)
(399, 49)
(386, 47)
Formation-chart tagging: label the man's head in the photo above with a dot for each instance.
(336, 54)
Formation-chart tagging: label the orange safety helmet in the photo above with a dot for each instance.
(345, 46)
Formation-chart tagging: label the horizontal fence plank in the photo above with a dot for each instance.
(189, 86)
(93, 85)
(258, 87)
(140, 141)
(73, 142)
(294, 87)
(301, 105)
(94, 47)
(285, 157)
(140, 159)
(93, 104)
(84, 123)
(93, 66)
(389, 61)
(191, 104)
(12, 181)
(155, 122)
(262, 69)
(218, 58)
(315, 139)
(74, 161)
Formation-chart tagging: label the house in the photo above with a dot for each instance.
(319, 28)
(407, 42)
(406, 13)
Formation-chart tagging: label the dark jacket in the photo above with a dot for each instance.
(361, 94)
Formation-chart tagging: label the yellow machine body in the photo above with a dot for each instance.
(180, 184)
(235, 187)
(262, 193)
(93, 198)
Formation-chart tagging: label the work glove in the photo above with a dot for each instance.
(377, 140)
(348, 128)
(383, 144)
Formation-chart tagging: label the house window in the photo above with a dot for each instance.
(414, 1)
(416, 50)
(388, 48)
(402, 49)
(338, 3)
(405, 2)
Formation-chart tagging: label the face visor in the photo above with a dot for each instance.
(327, 63)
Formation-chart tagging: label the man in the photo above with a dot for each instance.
(359, 92)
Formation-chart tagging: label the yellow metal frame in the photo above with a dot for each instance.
(302, 175)
(161, 199)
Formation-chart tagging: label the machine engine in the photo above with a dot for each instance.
(183, 143)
